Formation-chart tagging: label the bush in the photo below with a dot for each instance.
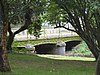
(82, 49)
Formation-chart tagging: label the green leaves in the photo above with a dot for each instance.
(54, 14)
(35, 28)
(18, 8)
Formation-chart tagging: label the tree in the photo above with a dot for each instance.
(22, 11)
(4, 64)
(84, 16)
(80, 15)
(28, 16)
(13, 12)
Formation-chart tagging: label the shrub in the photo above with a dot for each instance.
(82, 49)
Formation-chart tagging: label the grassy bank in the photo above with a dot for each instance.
(35, 65)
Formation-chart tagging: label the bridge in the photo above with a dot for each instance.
(45, 34)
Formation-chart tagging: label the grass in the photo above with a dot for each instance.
(47, 64)
(36, 65)
(60, 57)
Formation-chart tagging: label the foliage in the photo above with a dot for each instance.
(18, 8)
(35, 28)
(54, 15)
(82, 50)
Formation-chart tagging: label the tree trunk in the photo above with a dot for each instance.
(9, 42)
(10, 39)
(98, 66)
(4, 64)
(93, 49)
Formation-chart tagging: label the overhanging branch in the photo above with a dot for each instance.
(28, 16)
(65, 28)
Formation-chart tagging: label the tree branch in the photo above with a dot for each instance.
(28, 16)
(65, 28)
(9, 29)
